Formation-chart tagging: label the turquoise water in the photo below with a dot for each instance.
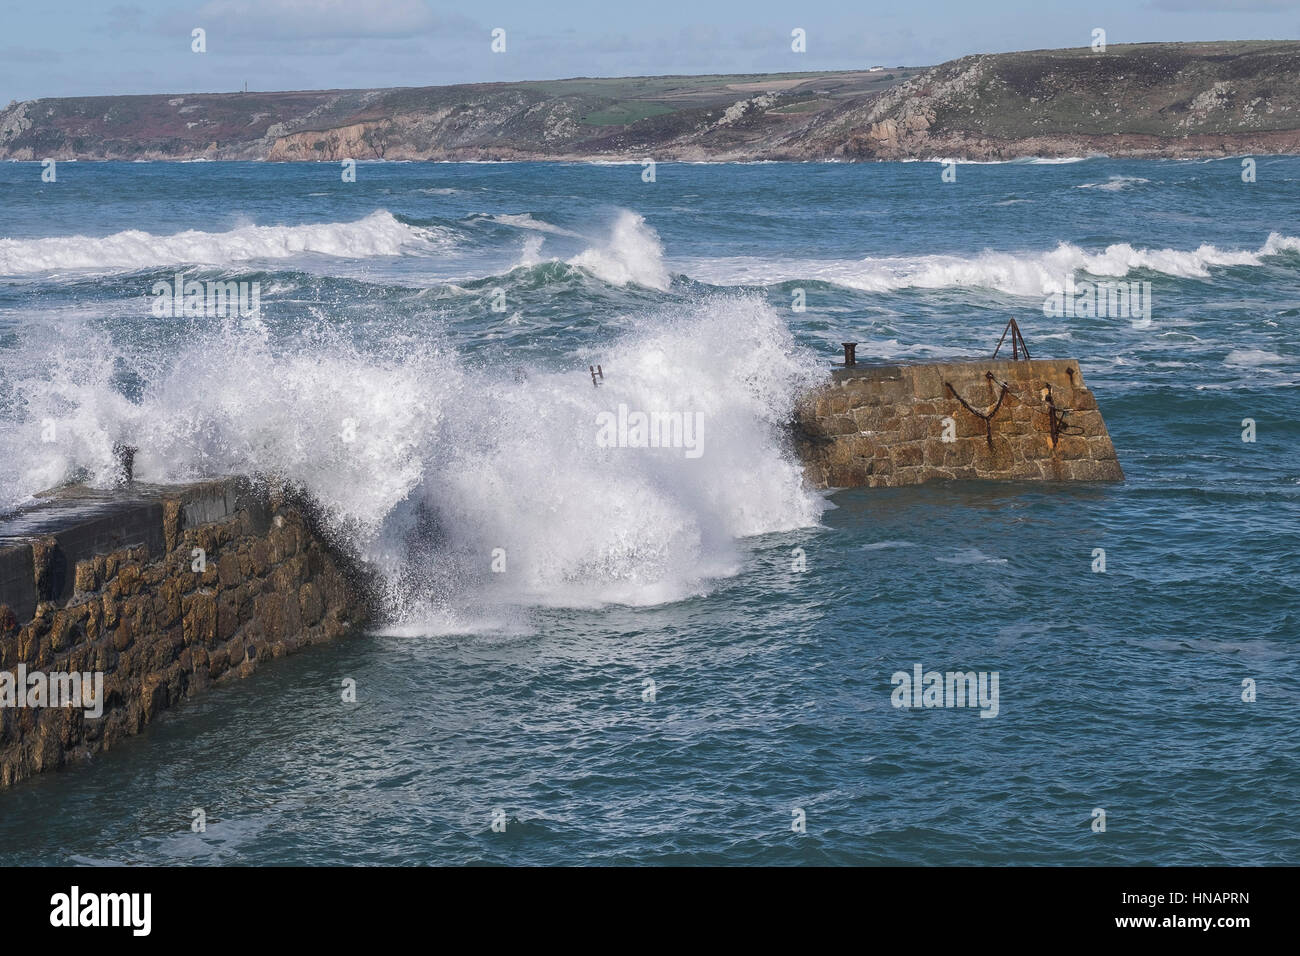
(525, 692)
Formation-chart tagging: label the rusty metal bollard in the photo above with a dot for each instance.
(125, 455)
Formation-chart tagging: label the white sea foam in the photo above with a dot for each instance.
(427, 465)
(524, 220)
(971, 556)
(532, 253)
(1278, 244)
(1027, 274)
(378, 234)
(1252, 358)
(1019, 161)
(1115, 184)
(632, 254)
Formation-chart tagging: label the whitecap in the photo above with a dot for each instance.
(378, 234)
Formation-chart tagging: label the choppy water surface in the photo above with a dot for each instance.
(526, 692)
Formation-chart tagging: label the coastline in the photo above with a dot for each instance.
(1119, 146)
(1126, 101)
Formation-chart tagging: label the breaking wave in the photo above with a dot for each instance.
(1027, 274)
(425, 464)
(632, 254)
(378, 234)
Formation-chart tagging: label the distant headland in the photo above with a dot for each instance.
(1172, 100)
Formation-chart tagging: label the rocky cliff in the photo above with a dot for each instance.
(1167, 99)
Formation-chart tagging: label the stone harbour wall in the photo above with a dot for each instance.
(111, 582)
(164, 590)
(891, 425)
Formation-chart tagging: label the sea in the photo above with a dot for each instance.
(598, 652)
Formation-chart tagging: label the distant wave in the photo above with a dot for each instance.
(378, 234)
(1115, 184)
(1018, 161)
(630, 253)
(1027, 274)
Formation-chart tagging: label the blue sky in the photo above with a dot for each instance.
(87, 47)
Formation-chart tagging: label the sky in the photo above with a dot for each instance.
(103, 47)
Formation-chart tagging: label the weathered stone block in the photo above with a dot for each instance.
(227, 616)
(128, 579)
(200, 617)
(908, 455)
(1083, 400)
(912, 427)
(86, 579)
(228, 574)
(270, 613)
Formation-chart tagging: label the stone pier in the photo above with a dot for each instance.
(890, 425)
(163, 590)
